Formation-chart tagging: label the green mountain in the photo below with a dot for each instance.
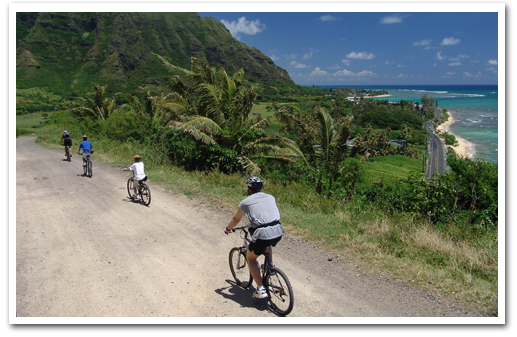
(68, 52)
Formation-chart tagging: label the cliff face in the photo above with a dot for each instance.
(70, 51)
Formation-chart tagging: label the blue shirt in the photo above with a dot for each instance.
(86, 145)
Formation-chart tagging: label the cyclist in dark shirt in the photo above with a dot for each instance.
(66, 140)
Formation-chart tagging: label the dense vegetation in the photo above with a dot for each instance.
(325, 155)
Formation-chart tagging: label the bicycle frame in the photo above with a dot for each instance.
(267, 265)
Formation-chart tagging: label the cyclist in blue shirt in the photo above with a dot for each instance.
(87, 147)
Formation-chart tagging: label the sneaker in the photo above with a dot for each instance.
(135, 196)
(260, 293)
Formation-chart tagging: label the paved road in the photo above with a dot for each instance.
(437, 162)
(83, 249)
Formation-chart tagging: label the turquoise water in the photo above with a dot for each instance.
(474, 108)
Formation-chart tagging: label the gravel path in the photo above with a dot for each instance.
(83, 249)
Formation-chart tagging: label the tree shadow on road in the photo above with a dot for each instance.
(242, 296)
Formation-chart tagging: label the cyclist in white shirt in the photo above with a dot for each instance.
(138, 170)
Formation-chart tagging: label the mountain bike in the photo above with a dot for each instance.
(278, 287)
(88, 165)
(68, 154)
(142, 189)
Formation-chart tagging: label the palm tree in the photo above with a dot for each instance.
(217, 102)
(155, 108)
(99, 107)
(332, 147)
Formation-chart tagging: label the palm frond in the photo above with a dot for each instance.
(251, 167)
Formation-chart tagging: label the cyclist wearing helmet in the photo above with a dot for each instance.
(265, 228)
(87, 147)
(66, 139)
(138, 170)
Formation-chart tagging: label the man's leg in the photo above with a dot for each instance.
(254, 268)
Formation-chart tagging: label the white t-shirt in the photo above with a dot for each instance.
(138, 169)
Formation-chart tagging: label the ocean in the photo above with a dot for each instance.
(474, 108)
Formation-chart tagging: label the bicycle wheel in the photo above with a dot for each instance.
(145, 194)
(90, 169)
(68, 155)
(130, 187)
(239, 267)
(85, 168)
(279, 291)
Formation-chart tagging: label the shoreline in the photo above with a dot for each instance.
(465, 148)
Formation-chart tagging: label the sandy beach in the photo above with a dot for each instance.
(353, 98)
(465, 148)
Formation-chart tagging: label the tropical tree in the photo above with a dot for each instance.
(99, 107)
(155, 107)
(215, 107)
(332, 146)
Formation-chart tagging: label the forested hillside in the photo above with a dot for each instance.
(69, 52)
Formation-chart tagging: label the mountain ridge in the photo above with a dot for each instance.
(70, 51)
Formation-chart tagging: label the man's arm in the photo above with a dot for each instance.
(234, 221)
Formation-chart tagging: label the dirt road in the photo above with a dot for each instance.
(83, 249)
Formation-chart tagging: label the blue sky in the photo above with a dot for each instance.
(369, 48)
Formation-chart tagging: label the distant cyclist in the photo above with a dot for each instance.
(265, 228)
(66, 140)
(87, 147)
(138, 171)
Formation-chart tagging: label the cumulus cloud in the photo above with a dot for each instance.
(469, 75)
(309, 54)
(360, 56)
(492, 62)
(318, 72)
(298, 65)
(348, 73)
(423, 43)
(242, 25)
(347, 62)
(439, 56)
(453, 64)
(388, 20)
(450, 41)
(325, 18)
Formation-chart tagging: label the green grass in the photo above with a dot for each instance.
(391, 168)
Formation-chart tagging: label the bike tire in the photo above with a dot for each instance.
(239, 267)
(280, 291)
(68, 158)
(130, 187)
(145, 194)
(85, 168)
(90, 168)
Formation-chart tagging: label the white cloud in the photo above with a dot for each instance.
(309, 54)
(242, 25)
(439, 56)
(347, 62)
(360, 56)
(348, 73)
(453, 64)
(422, 43)
(450, 41)
(325, 18)
(298, 65)
(318, 72)
(400, 66)
(387, 20)
(492, 62)
(274, 57)
(469, 75)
